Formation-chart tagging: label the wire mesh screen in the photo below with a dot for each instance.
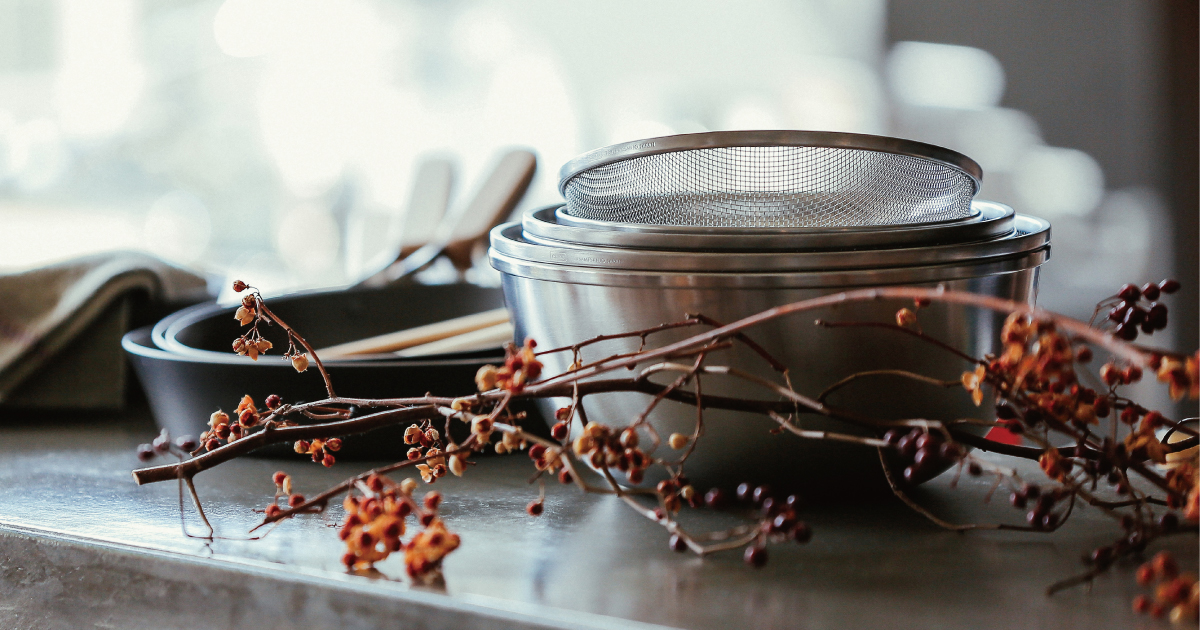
(778, 186)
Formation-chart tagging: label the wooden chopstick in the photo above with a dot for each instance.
(482, 339)
(399, 340)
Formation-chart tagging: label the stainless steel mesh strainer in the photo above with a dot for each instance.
(771, 179)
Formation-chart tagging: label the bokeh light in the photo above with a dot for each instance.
(1053, 181)
(941, 75)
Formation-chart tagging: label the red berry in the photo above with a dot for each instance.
(273, 401)
(1133, 374)
(560, 431)
(536, 451)
(714, 499)
(1150, 291)
(1129, 293)
(1156, 317)
(755, 556)
(433, 500)
(1145, 574)
(564, 476)
(295, 499)
(1169, 286)
(535, 508)
(677, 543)
(240, 286)
(1141, 604)
(278, 477)
(1134, 316)
(802, 533)
(1164, 565)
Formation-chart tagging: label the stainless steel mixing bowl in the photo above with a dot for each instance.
(563, 292)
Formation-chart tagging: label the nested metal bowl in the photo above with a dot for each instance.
(562, 286)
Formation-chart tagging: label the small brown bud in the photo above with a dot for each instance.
(243, 315)
(218, 418)
(333, 444)
(300, 362)
(485, 378)
(906, 318)
(583, 444)
(629, 437)
(239, 286)
(407, 486)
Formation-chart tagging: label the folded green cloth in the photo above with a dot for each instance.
(61, 326)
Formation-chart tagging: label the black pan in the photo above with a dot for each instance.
(185, 388)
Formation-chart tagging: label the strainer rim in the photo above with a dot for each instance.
(768, 138)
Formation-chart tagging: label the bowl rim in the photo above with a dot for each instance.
(768, 138)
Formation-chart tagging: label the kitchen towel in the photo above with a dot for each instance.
(79, 308)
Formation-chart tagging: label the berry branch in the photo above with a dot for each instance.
(1035, 380)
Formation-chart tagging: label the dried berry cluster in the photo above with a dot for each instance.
(252, 343)
(780, 520)
(376, 522)
(605, 448)
(1036, 379)
(922, 452)
(1176, 592)
(426, 448)
(222, 428)
(521, 366)
(321, 451)
(162, 445)
(1134, 308)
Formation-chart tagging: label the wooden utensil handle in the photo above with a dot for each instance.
(392, 342)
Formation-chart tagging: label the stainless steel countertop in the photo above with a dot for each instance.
(82, 546)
